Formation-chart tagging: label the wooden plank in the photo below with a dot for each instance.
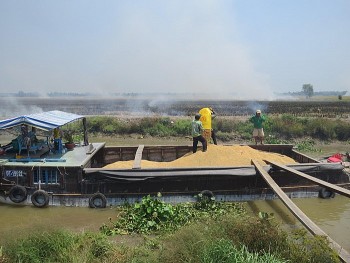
(335, 188)
(138, 157)
(303, 158)
(310, 225)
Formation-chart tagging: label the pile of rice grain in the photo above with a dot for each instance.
(215, 156)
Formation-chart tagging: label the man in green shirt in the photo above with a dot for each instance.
(197, 129)
(258, 133)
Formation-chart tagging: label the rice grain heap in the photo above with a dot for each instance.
(215, 156)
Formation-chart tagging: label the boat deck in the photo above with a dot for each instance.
(76, 157)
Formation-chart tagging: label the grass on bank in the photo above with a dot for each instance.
(278, 129)
(214, 232)
(57, 246)
(318, 137)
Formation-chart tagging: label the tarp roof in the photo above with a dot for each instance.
(44, 120)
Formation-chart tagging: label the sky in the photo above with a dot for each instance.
(233, 48)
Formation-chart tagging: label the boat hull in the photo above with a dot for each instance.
(76, 184)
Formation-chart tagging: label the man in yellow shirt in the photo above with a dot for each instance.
(207, 115)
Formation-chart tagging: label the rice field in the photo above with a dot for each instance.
(167, 106)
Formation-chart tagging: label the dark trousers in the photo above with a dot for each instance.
(213, 136)
(201, 139)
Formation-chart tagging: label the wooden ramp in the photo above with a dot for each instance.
(138, 157)
(311, 226)
(335, 188)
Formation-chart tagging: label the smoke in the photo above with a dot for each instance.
(11, 107)
(253, 106)
(187, 47)
(195, 49)
(153, 105)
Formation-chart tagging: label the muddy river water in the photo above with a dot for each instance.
(331, 215)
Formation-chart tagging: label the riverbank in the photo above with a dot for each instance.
(221, 234)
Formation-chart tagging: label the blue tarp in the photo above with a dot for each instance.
(44, 120)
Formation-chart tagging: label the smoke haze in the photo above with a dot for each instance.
(201, 47)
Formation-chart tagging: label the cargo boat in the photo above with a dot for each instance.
(77, 177)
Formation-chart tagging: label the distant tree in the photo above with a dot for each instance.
(308, 90)
(340, 97)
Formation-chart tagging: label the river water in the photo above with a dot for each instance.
(331, 215)
(18, 220)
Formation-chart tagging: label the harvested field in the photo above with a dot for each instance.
(216, 156)
(171, 107)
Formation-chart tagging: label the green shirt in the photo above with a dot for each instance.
(258, 121)
(197, 128)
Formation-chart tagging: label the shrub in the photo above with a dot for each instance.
(182, 127)
(153, 215)
(307, 146)
(223, 250)
(281, 127)
(286, 126)
(321, 129)
(224, 125)
(224, 136)
(133, 127)
(306, 248)
(244, 129)
(342, 130)
(158, 129)
(232, 238)
(146, 123)
(257, 235)
(58, 246)
(96, 123)
(272, 139)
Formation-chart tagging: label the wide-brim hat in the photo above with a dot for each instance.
(258, 111)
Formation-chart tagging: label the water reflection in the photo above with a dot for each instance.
(331, 215)
(18, 220)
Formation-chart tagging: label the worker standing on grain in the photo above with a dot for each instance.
(197, 129)
(207, 115)
(258, 133)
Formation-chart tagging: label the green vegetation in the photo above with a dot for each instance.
(153, 215)
(154, 126)
(278, 129)
(207, 231)
(307, 146)
(57, 246)
(308, 90)
(210, 231)
(224, 251)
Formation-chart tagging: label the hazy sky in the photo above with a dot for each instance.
(250, 48)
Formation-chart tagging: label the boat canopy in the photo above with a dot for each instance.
(45, 120)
